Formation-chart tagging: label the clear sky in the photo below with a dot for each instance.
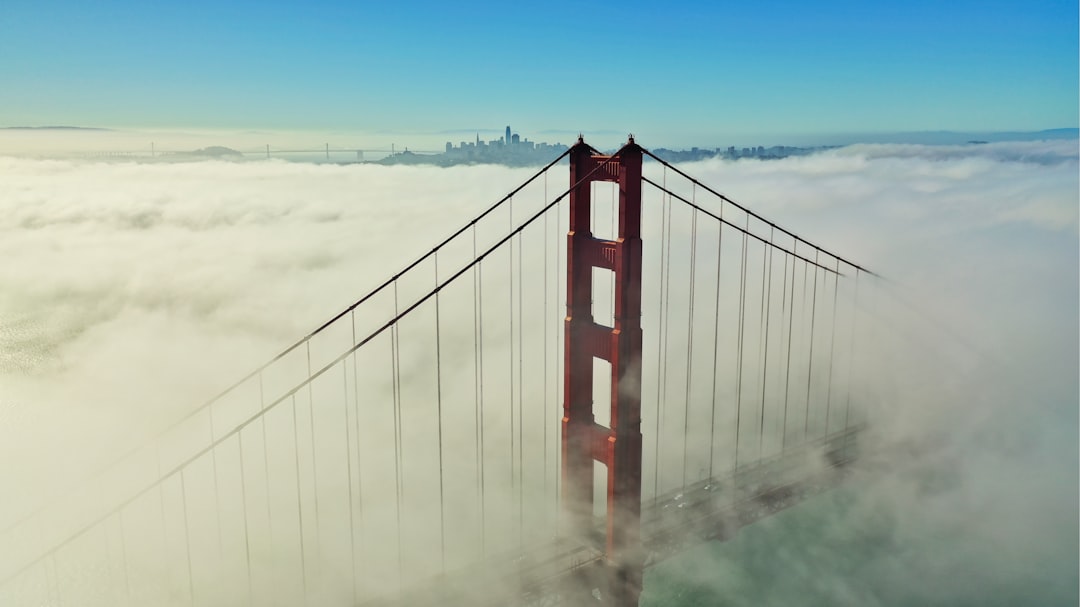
(682, 70)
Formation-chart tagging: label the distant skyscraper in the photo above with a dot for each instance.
(507, 140)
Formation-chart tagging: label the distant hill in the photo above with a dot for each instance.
(945, 137)
(216, 151)
(1061, 133)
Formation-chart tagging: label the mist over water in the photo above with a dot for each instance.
(972, 498)
(130, 293)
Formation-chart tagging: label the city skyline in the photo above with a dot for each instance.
(67, 140)
(689, 74)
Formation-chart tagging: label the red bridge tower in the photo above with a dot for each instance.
(583, 440)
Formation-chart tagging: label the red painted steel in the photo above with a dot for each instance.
(583, 440)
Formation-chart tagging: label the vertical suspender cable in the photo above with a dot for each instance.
(661, 359)
(107, 553)
(560, 337)
(438, 400)
(802, 309)
(689, 336)
(356, 431)
(521, 393)
(348, 467)
(52, 582)
(761, 335)
(299, 503)
(544, 338)
(478, 339)
(395, 362)
(739, 360)
(810, 364)
(124, 558)
(767, 313)
(59, 588)
(314, 463)
(716, 338)
(187, 537)
(790, 310)
(666, 320)
(832, 345)
(666, 327)
(244, 509)
(348, 472)
(266, 462)
(214, 469)
(851, 356)
(510, 352)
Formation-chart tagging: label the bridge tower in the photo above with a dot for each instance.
(584, 441)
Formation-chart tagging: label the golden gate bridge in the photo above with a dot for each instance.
(511, 419)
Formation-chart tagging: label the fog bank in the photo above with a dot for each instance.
(132, 292)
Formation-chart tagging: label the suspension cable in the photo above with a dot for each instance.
(392, 280)
(751, 213)
(370, 294)
(744, 230)
(392, 326)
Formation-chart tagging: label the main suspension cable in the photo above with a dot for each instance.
(746, 210)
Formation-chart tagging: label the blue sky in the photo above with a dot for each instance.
(682, 71)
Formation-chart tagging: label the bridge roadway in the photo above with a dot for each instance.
(565, 571)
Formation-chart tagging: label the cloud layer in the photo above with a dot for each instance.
(131, 292)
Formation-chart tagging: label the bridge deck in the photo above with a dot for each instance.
(712, 509)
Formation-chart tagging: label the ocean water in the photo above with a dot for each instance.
(827, 551)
